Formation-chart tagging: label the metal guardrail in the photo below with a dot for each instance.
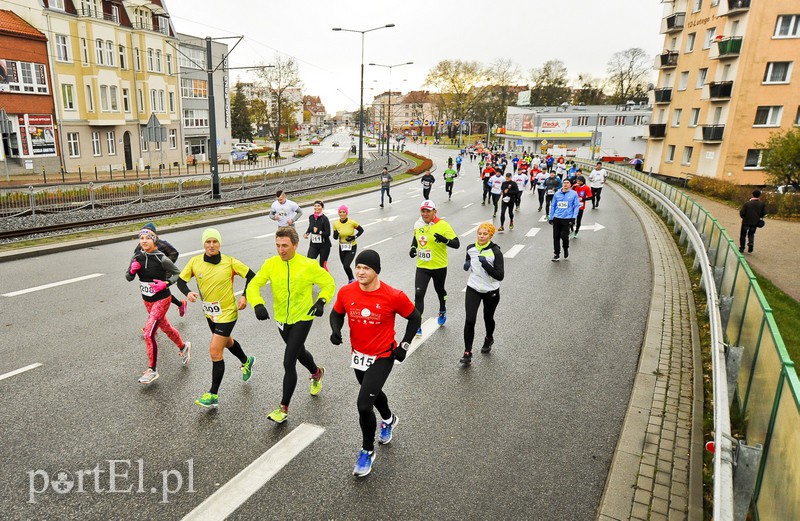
(766, 386)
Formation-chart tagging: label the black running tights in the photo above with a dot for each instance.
(472, 301)
(371, 395)
(295, 337)
(421, 281)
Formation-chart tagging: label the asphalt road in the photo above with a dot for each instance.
(526, 432)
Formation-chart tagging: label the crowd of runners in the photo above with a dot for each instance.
(367, 304)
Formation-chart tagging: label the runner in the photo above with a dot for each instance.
(214, 274)
(515, 163)
(522, 181)
(449, 177)
(551, 185)
(427, 181)
(584, 193)
(432, 237)
(459, 160)
(319, 230)
(156, 273)
(596, 181)
(485, 263)
(486, 174)
(509, 193)
(386, 181)
(562, 216)
(284, 211)
(347, 231)
(371, 307)
(172, 254)
(495, 184)
(292, 277)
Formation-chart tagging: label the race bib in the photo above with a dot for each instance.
(345, 246)
(360, 361)
(426, 184)
(144, 287)
(316, 238)
(551, 192)
(506, 198)
(562, 205)
(424, 255)
(212, 310)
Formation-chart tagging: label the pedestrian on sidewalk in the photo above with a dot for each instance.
(752, 213)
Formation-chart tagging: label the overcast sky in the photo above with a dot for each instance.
(581, 33)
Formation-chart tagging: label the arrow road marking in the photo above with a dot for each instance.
(52, 285)
(594, 227)
(511, 253)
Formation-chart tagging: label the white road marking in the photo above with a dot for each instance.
(471, 230)
(470, 204)
(532, 232)
(544, 218)
(464, 290)
(235, 492)
(376, 243)
(264, 236)
(52, 285)
(376, 221)
(511, 253)
(367, 210)
(594, 227)
(429, 327)
(187, 253)
(397, 201)
(18, 371)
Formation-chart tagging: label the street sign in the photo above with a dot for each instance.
(544, 142)
(154, 131)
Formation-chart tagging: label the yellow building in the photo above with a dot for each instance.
(114, 65)
(726, 82)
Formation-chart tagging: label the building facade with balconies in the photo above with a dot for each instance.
(726, 81)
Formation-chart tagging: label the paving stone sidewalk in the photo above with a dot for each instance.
(656, 472)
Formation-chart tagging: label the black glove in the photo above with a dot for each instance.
(335, 234)
(261, 312)
(467, 265)
(351, 238)
(318, 309)
(438, 237)
(571, 223)
(400, 352)
(550, 222)
(484, 262)
(412, 252)
(336, 338)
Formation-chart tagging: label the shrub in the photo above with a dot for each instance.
(303, 152)
(779, 205)
(426, 164)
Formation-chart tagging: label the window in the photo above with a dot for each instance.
(778, 72)
(697, 5)
(639, 120)
(683, 81)
(62, 51)
(686, 160)
(690, 38)
(797, 117)
(73, 144)
(694, 117)
(161, 101)
(702, 74)
(676, 119)
(169, 63)
(111, 140)
(619, 120)
(150, 60)
(753, 158)
(172, 102)
(195, 118)
(110, 53)
(57, 4)
(137, 59)
(112, 93)
(710, 33)
(158, 60)
(104, 98)
(153, 102)
(157, 146)
(26, 77)
(68, 97)
(96, 151)
(144, 142)
(192, 58)
(583, 121)
(173, 139)
(670, 153)
(89, 99)
(98, 52)
(115, 13)
(714, 3)
(199, 89)
(768, 116)
(84, 51)
(602, 120)
(788, 26)
(140, 97)
(122, 57)
(126, 100)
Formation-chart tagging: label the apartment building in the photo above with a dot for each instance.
(726, 82)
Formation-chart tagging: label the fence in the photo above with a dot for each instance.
(766, 387)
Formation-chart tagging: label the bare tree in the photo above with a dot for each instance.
(455, 79)
(504, 76)
(276, 83)
(628, 72)
(590, 91)
(549, 84)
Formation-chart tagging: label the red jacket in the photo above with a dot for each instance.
(584, 192)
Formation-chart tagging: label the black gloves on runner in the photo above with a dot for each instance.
(412, 252)
(318, 309)
(571, 223)
(336, 338)
(351, 238)
(400, 352)
(261, 312)
(484, 261)
(335, 234)
(550, 222)
(467, 265)
(438, 237)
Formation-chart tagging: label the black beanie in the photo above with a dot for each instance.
(369, 258)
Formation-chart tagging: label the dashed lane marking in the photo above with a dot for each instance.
(512, 252)
(18, 371)
(187, 253)
(532, 232)
(234, 493)
(264, 236)
(467, 206)
(52, 285)
(429, 327)
(376, 243)
(366, 210)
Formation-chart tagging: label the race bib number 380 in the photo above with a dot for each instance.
(424, 255)
(360, 361)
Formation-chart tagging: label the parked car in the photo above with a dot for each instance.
(245, 147)
(335, 144)
(786, 189)
(314, 141)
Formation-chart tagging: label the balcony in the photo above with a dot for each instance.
(96, 13)
(663, 95)
(729, 47)
(738, 6)
(675, 22)
(720, 89)
(657, 130)
(712, 133)
(668, 60)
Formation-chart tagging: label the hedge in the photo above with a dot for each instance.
(778, 205)
(426, 164)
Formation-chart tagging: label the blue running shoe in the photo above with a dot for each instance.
(419, 332)
(364, 463)
(442, 317)
(385, 436)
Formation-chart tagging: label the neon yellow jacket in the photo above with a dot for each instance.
(292, 282)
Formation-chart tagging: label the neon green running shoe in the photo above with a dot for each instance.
(208, 400)
(247, 368)
(279, 415)
(316, 383)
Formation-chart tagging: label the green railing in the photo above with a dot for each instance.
(767, 387)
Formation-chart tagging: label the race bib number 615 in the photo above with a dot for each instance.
(360, 361)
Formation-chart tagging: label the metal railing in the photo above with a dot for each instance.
(766, 386)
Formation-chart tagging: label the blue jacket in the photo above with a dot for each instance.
(565, 205)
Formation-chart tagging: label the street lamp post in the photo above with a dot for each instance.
(389, 115)
(361, 102)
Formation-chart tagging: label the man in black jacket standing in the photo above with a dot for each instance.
(752, 212)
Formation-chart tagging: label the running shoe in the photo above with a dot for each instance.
(208, 400)
(419, 332)
(316, 381)
(247, 368)
(466, 359)
(279, 415)
(442, 317)
(566, 253)
(488, 342)
(364, 463)
(185, 353)
(494, 215)
(575, 235)
(385, 436)
(501, 229)
(511, 226)
(182, 308)
(556, 258)
(148, 377)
